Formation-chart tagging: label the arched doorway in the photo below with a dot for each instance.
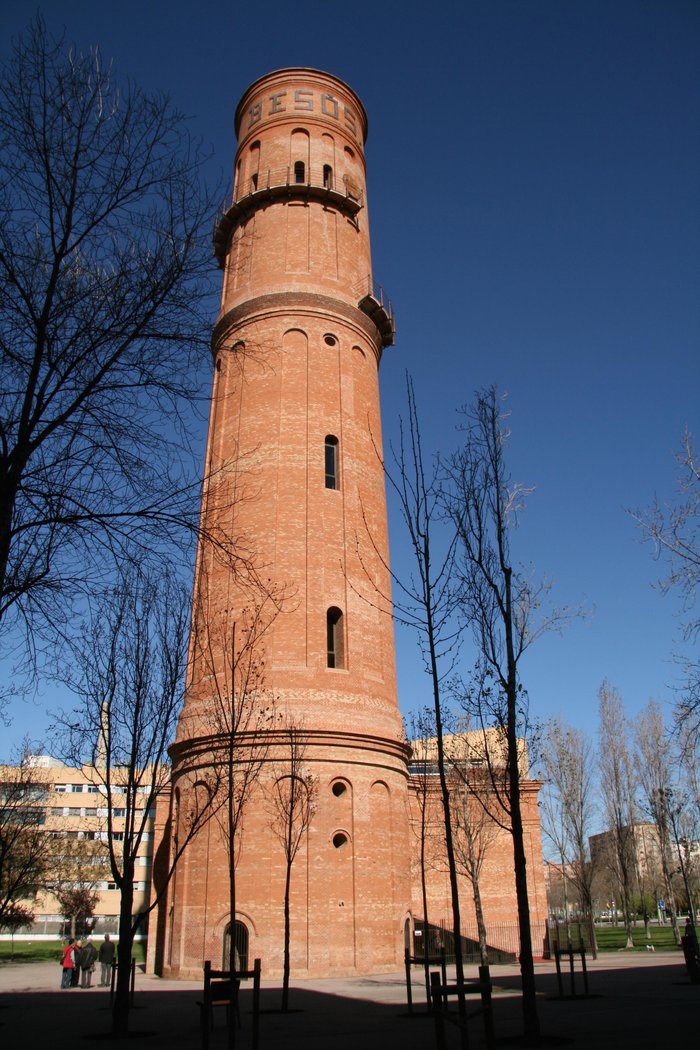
(240, 944)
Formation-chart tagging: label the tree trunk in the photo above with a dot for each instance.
(531, 1021)
(424, 896)
(476, 891)
(449, 844)
(285, 975)
(232, 963)
(122, 998)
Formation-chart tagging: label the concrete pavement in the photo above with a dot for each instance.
(638, 1000)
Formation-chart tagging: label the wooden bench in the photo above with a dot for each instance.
(218, 988)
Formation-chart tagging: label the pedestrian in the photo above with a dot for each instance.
(67, 962)
(691, 936)
(75, 976)
(88, 954)
(106, 957)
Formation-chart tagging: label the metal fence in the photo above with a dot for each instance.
(503, 942)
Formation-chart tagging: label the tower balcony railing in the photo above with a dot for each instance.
(295, 182)
(372, 302)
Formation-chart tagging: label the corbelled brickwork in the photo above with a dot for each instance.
(294, 477)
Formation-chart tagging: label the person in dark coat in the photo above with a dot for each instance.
(88, 954)
(106, 957)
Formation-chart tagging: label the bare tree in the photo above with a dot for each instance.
(422, 763)
(14, 918)
(104, 287)
(77, 904)
(424, 602)
(655, 775)
(618, 788)
(674, 532)
(25, 848)
(569, 809)
(502, 608)
(475, 829)
(128, 672)
(228, 654)
(293, 803)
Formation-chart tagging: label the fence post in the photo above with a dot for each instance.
(443, 968)
(409, 991)
(256, 1003)
(585, 971)
(436, 996)
(557, 959)
(485, 989)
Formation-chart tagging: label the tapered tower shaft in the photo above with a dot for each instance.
(294, 478)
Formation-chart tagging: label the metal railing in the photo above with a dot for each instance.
(319, 177)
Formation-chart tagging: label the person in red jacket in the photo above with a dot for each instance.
(68, 964)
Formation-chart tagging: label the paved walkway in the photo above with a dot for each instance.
(638, 1000)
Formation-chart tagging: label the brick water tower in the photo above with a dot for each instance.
(294, 477)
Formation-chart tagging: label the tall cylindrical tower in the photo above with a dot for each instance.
(295, 480)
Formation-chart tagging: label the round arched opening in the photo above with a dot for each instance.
(240, 946)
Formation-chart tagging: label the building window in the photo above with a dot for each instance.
(334, 634)
(328, 176)
(332, 473)
(299, 171)
(340, 839)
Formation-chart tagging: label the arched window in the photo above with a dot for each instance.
(334, 634)
(299, 171)
(332, 462)
(254, 165)
(328, 176)
(240, 946)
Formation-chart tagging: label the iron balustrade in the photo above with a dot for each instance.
(319, 177)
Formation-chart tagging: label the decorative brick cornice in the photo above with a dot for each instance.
(297, 304)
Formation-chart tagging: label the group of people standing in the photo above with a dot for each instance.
(78, 962)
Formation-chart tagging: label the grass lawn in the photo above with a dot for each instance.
(49, 951)
(614, 938)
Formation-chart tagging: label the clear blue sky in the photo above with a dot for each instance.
(534, 178)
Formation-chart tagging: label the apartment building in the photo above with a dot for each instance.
(70, 805)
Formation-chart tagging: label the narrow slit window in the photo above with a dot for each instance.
(328, 176)
(299, 171)
(332, 464)
(334, 632)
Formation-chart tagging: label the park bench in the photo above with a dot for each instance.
(426, 963)
(441, 994)
(218, 985)
(571, 954)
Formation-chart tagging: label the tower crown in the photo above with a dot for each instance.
(301, 93)
(301, 139)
